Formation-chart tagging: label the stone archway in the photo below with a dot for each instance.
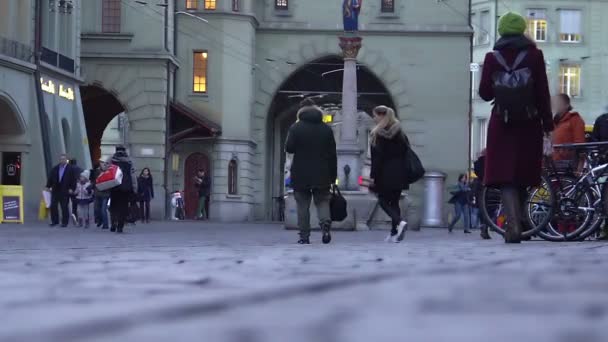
(100, 107)
(320, 80)
(12, 121)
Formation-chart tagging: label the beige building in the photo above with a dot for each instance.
(215, 84)
(572, 36)
(40, 107)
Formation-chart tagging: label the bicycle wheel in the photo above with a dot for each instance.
(600, 206)
(492, 209)
(573, 208)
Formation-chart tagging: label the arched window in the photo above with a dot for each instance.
(65, 127)
(387, 6)
(233, 174)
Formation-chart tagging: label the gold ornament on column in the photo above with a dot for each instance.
(350, 47)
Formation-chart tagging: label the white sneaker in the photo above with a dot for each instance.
(389, 238)
(400, 232)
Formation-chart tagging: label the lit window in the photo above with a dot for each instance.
(570, 26)
(191, 4)
(236, 5)
(537, 24)
(210, 4)
(387, 6)
(570, 80)
(281, 4)
(233, 177)
(200, 72)
(110, 16)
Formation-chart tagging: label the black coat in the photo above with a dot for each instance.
(204, 188)
(389, 160)
(68, 181)
(145, 188)
(312, 143)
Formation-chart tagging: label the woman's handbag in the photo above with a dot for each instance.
(337, 205)
(414, 171)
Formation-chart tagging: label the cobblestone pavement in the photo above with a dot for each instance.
(251, 283)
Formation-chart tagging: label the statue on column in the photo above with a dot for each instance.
(350, 12)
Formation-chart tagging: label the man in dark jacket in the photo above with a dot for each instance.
(77, 171)
(61, 183)
(314, 168)
(121, 195)
(203, 183)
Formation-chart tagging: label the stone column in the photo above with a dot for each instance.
(349, 152)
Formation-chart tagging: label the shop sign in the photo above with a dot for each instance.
(51, 88)
(11, 204)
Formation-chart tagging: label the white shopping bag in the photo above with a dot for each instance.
(46, 195)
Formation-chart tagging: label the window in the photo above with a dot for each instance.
(200, 72)
(570, 80)
(281, 4)
(233, 177)
(236, 5)
(387, 6)
(110, 16)
(191, 4)
(537, 24)
(570, 26)
(210, 4)
(483, 37)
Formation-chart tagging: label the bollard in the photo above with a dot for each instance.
(434, 183)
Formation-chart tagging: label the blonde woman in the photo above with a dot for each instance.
(388, 178)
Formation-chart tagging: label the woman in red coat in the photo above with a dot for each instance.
(515, 149)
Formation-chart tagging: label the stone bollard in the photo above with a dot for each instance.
(434, 184)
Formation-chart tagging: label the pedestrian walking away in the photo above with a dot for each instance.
(101, 200)
(74, 202)
(388, 176)
(203, 183)
(479, 169)
(314, 169)
(461, 194)
(84, 198)
(569, 129)
(514, 77)
(122, 194)
(61, 184)
(145, 189)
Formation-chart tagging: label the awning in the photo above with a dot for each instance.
(188, 123)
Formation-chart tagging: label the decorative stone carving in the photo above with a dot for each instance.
(350, 47)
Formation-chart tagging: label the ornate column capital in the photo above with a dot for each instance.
(350, 47)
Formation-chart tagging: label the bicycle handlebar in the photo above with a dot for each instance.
(581, 146)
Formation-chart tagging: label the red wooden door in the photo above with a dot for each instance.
(194, 162)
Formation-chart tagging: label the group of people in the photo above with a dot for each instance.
(126, 202)
(314, 168)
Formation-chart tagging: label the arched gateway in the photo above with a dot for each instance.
(321, 81)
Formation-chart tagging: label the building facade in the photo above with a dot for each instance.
(40, 105)
(215, 85)
(572, 36)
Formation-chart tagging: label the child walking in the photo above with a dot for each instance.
(84, 198)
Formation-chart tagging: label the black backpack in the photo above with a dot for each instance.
(127, 182)
(514, 90)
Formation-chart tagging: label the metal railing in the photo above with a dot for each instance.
(16, 50)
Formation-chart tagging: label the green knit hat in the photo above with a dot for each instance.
(512, 24)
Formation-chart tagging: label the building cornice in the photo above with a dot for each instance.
(151, 56)
(374, 30)
(50, 70)
(227, 15)
(17, 64)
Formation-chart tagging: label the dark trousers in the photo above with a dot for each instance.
(144, 210)
(101, 211)
(321, 199)
(59, 200)
(74, 205)
(119, 208)
(389, 202)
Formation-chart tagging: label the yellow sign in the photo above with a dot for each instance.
(51, 88)
(328, 118)
(11, 204)
(66, 93)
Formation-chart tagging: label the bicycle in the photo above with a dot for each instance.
(579, 202)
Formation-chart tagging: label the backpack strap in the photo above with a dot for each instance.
(519, 59)
(500, 59)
